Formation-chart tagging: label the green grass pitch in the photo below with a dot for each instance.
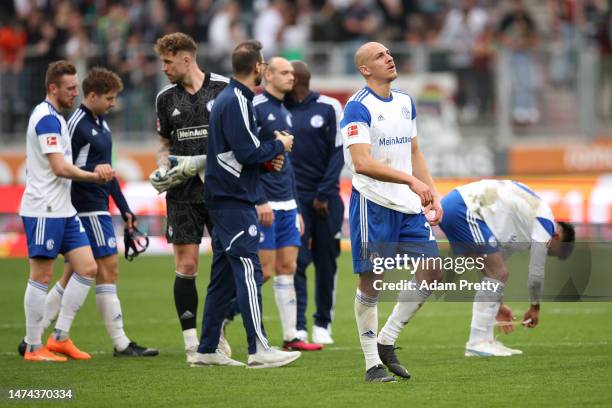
(567, 360)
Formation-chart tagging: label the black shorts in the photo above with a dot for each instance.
(186, 222)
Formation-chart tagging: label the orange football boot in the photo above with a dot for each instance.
(43, 354)
(67, 348)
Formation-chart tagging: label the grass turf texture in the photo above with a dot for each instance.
(567, 361)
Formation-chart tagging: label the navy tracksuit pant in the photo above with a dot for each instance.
(235, 271)
(320, 245)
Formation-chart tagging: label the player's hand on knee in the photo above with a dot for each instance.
(422, 190)
(105, 172)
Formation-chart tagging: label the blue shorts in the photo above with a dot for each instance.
(47, 237)
(465, 233)
(101, 234)
(284, 231)
(380, 231)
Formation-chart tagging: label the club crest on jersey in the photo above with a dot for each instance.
(316, 121)
(50, 244)
(51, 140)
(493, 241)
(353, 131)
(210, 104)
(405, 112)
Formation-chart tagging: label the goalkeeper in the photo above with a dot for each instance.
(183, 111)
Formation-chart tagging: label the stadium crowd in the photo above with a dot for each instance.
(118, 34)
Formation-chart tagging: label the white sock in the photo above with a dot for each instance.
(484, 310)
(366, 314)
(53, 303)
(408, 303)
(190, 336)
(284, 294)
(34, 307)
(74, 296)
(110, 310)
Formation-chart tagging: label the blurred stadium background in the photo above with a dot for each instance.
(512, 88)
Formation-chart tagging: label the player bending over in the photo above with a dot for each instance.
(496, 217)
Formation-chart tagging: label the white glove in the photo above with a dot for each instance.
(184, 167)
(159, 179)
(181, 169)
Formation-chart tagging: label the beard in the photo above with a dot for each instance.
(65, 103)
(258, 79)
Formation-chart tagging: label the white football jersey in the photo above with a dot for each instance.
(515, 214)
(388, 125)
(46, 195)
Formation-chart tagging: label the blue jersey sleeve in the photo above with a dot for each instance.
(355, 112)
(47, 125)
(119, 199)
(413, 108)
(243, 142)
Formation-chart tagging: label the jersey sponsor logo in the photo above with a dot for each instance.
(353, 131)
(50, 244)
(51, 140)
(391, 141)
(176, 112)
(405, 112)
(210, 104)
(316, 121)
(195, 132)
(271, 117)
(253, 230)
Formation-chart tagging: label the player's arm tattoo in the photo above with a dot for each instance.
(163, 152)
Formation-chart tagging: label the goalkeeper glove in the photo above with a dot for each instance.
(182, 168)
